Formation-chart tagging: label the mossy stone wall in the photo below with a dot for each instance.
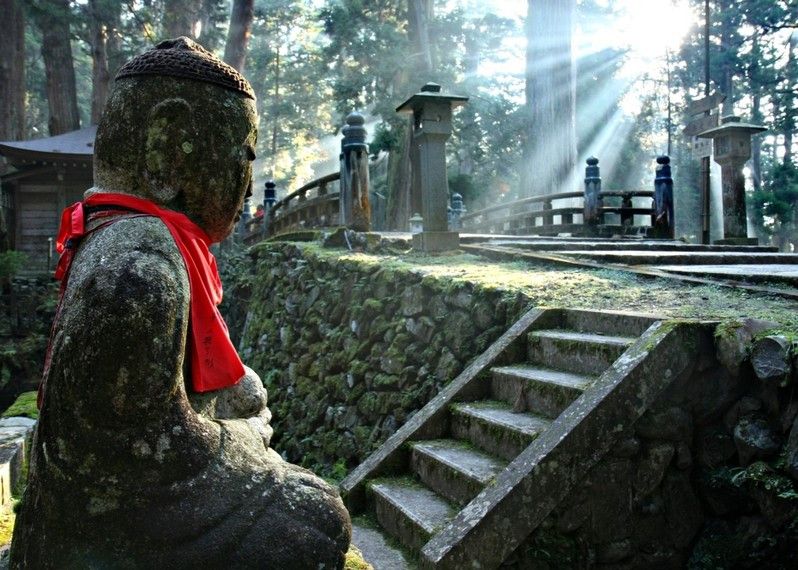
(702, 480)
(350, 350)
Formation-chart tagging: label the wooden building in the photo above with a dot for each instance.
(43, 176)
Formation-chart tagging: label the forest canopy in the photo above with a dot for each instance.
(551, 82)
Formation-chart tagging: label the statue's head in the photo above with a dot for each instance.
(179, 128)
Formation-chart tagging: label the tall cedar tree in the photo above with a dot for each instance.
(53, 19)
(550, 147)
(403, 200)
(181, 18)
(103, 18)
(235, 50)
(12, 70)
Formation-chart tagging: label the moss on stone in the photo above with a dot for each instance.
(24, 405)
(7, 518)
(355, 560)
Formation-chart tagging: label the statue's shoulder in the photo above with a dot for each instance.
(137, 250)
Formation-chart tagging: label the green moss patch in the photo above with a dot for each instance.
(24, 405)
(571, 287)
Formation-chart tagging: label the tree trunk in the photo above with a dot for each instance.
(398, 182)
(100, 76)
(790, 112)
(235, 50)
(728, 56)
(756, 144)
(550, 150)
(421, 68)
(12, 71)
(180, 18)
(53, 21)
(209, 19)
(419, 14)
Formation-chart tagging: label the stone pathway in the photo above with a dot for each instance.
(722, 263)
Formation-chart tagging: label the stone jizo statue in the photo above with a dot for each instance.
(152, 450)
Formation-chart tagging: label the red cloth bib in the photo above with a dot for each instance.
(214, 361)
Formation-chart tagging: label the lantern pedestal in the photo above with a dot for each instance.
(436, 241)
(732, 148)
(432, 124)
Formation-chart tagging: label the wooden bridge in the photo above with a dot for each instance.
(588, 212)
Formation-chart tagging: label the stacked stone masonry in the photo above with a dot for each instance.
(348, 351)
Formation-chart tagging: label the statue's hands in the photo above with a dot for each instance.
(246, 399)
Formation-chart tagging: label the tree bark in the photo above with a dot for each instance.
(12, 71)
(790, 112)
(422, 66)
(235, 50)
(550, 147)
(419, 14)
(398, 182)
(727, 70)
(100, 75)
(53, 20)
(180, 18)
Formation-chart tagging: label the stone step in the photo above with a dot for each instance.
(598, 244)
(686, 258)
(453, 469)
(606, 323)
(581, 353)
(772, 273)
(408, 511)
(376, 548)
(495, 428)
(538, 390)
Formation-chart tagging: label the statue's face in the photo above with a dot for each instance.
(218, 175)
(228, 150)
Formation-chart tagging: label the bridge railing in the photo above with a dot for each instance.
(339, 198)
(316, 204)
(554, 214)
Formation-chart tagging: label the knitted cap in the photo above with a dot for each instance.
(183, 57)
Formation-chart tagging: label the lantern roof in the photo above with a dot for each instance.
(431, 92)
(731, 124)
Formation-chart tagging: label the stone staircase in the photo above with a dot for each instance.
(427, 484)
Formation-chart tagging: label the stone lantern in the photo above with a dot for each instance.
(432, 125)
(731, 149)
(416, 224)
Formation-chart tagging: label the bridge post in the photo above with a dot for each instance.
(593, 216)
(627, 216)
(432, 125)
(662, 216)
(269, 198)
(354, 207)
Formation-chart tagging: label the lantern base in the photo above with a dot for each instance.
(737, 241)
(436, 241)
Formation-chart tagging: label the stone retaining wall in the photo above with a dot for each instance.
(349, 350)
(707, 478)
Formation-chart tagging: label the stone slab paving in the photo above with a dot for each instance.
(743, 272)
(629, 257)
(724, 263)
